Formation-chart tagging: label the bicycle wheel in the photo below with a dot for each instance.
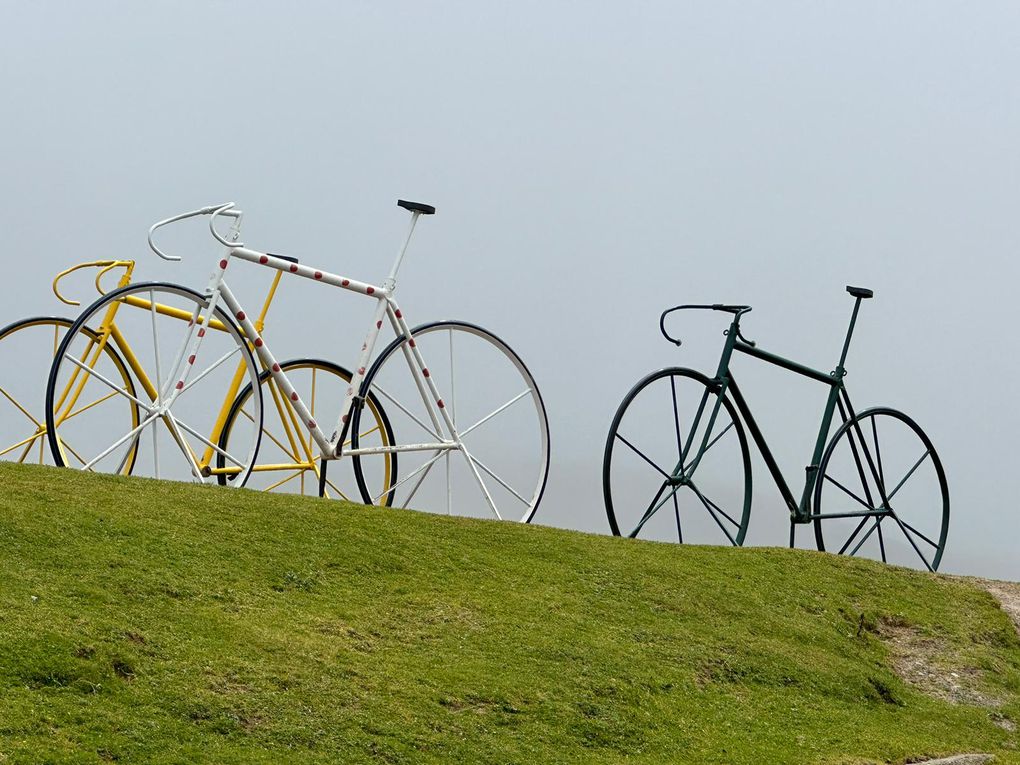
(496, 464)
(182, 397)
(27, 349)
(881, 462)
(670, 472)
(288, 459)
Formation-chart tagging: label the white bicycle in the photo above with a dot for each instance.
(402, 421)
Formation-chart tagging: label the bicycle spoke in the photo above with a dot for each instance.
(312, 410)
(20, 408)
(642, 456)
(909, 473)
(676, 511)
(128, 453)
(338, 491)
(481, 483)
(291, 477)
(912, 543)
(155, 450)
(488, 417)
(857, 531)
(679, 441)
(421, 479)
(24, 453)
(694, 425)
(272, 437)
(881, 539)
(718, 509)
(500, 481)
(97, 402)
(22, 442)
(840, 486)
(71, 449)
(209, 443)
(708, 506)
(918, 533)
(652, 508)
(449, 487)
(220, 360)
(315, 469)
(453, 388)
(174, 427)
(404, 409)
(409, 476)
(102, 378)
(289, 420)
(716, 439)
(155, 345)
(878, 453)
(123, 439)
(865, 537)
(368, 432)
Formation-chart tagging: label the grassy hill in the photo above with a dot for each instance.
(143, 621)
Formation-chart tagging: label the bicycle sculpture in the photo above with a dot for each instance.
(291, 466)
(875, 488)
(494, 417)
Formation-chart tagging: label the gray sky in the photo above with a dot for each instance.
(591, 164)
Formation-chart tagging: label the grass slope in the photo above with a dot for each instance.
(143, 621)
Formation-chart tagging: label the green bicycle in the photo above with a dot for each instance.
(677, 449)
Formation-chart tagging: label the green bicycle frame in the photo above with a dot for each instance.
(838, 400)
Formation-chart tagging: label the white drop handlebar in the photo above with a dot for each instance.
(213, 211)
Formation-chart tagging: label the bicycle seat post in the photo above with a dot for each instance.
(860, 293)
(416, 209)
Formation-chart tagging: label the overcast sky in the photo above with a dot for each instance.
(591, 164)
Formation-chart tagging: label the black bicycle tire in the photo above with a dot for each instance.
(632, 394)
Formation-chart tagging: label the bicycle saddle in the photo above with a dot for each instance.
(860, 292)
(424, 209)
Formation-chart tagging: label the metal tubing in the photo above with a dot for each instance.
(763, 447)
(859, 514)
(265, 259)
(823, 438)
(779, 361)
(849, 333)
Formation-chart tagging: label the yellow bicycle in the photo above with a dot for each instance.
(286, 459)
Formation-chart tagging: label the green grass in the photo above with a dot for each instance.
(144, 621)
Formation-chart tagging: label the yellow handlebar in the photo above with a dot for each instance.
(104, 265)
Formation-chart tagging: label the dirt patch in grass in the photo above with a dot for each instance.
(1008, 595)
(926, 662)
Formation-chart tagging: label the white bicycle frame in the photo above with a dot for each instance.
(386, 308)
